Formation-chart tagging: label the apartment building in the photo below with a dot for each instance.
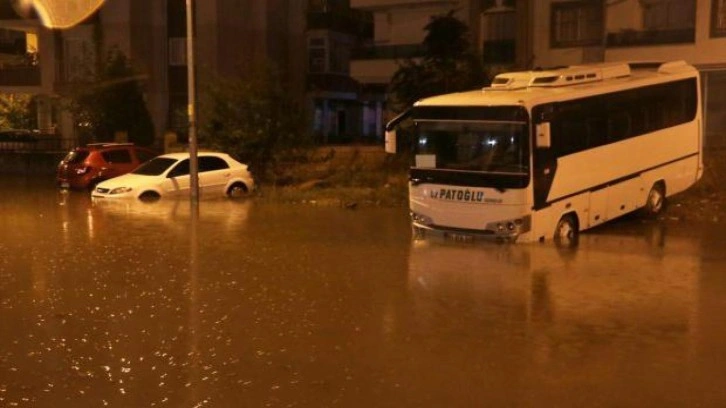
(338, 107)
(578, 31)
(498, 31)
(231, 35)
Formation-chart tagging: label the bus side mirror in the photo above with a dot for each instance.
(543, 139)
(391, 141)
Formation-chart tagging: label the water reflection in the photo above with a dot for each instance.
(622, 311)
(130, 304)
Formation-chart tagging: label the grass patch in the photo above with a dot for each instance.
(346, 177)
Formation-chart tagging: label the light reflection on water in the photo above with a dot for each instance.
(133, 304)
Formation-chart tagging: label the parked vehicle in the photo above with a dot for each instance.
(547, 154)
(84, 167)
(168, 175)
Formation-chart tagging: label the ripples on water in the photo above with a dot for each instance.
(133, 304)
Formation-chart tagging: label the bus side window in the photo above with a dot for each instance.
(618, 126)
(570, 135)
(637, 120)
(596, 131)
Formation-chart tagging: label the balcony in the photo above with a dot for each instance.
(631, 38)
(332, 83)
(376, 4)
(353, 22)
(19, 75)
(389, 52)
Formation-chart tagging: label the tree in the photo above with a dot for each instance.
(113, 102)
(16, 111)
(449, 65)
(253, 118)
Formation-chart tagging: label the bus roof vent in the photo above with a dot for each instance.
(674, 67)
(511, 80)
(566, 76)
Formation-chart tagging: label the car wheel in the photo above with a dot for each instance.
(237, 190)
(655, 203)
(149, 196)
(566, 232)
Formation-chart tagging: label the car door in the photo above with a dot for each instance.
(177, 179)
(214, 173)
(117, 162)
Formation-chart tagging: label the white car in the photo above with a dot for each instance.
(168, 175)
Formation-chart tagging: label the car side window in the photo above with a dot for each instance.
(211, 163)
(117, 156)
(181, 169)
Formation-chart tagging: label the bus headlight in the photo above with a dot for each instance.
(421, 219)
(511, 227)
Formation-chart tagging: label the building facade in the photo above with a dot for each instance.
(578, 31)
(231, 36)
(497, 29)
(528, 34)
(338, 108)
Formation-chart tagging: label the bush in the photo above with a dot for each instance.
(254, 119)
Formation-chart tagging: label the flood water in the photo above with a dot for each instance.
(253, 304)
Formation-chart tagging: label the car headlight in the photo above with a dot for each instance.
(120, 190)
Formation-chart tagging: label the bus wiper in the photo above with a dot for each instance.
(418, 180)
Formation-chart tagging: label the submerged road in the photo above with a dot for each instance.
(252, 305)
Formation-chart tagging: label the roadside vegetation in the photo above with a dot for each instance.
(112, 101)
(16, 111)
(706, 201)
(252, 117)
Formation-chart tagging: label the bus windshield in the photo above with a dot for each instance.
(491, 147)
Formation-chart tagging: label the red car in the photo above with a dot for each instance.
(84, 167)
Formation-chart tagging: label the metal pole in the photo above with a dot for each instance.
(193, 165)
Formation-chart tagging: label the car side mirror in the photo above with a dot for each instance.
(544, 138)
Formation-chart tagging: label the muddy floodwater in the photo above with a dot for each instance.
(251, 304)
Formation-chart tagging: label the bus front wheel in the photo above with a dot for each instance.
(655, 202)
(566, 232)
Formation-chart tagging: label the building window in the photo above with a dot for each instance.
(500, 26)
(576, 23)
(177, 51)
(317, 51)
(718, 18)
(668, 14)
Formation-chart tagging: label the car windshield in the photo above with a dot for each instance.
(155, 167)
(472, 146)
(76, 156)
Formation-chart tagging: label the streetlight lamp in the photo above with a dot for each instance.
(191, 110)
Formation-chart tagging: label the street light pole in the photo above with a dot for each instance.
(191, 110)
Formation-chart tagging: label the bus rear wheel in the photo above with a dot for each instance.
(566, 232)
(655, 203)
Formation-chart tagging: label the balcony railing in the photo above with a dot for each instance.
(332, 83)
(627, 38)
(389, 52)
(352, 22)
(20, 75)
(23, 142)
